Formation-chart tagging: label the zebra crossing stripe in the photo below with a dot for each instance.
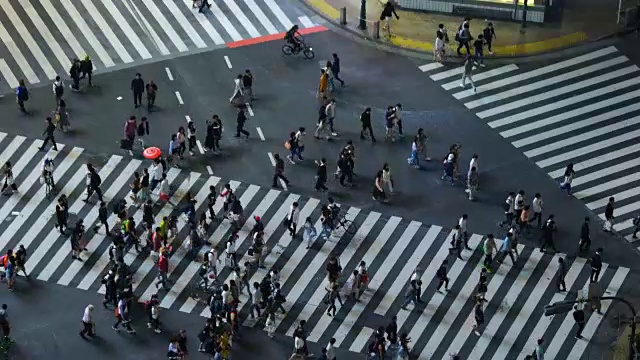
(63, 28)
(126, 29)
(146, 27)
(224, 21)
(206, 25)
(602, 202)
(17, 54)
(284, 20)
(483, 76)
(246, 23)
(264, 20)
(184, 23)
(87, 33)
(105, 29)
(166, 27)
(430, 66)
(585, 179)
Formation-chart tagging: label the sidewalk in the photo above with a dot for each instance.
(581, 21)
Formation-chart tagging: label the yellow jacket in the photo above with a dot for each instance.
(324, 83)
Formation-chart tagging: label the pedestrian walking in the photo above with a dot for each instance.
(21, 260)
(332, 297)
(74, 74)
(5, 325)
(463, 227)
(122, 316)
(569, 173)
(468, 73)
(22, 95)
(596, 266)
(608, 215)
(538, 205)
(292, 218)
(142, 131)
(86, 69)
(365, 120)
(152, 89)
(506, 249)
(585, 235)
(489, 247)
(93, 183)
(9, 180)
(439, 51)
(548, 230)
(478, 45)
(472, 183)
(457, 242)
(247, 85)
(88, 325)
(489, 33)
(562, 273)
(411, 294)
(320, 183)
(191, 137)
(636, 225)
(58, 89)
(441, 274)
(237, 97)
(242, 119)
(478, 315)
(137, 88)
(335, 68)
(279, 171)
(330, 110)
(578, 316)
(130, 128)
(388, 11)
(48, 133)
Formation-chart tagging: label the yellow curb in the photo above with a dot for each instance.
(325, 8)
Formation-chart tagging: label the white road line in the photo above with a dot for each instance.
(264, 20)
(273, 163)
(627, 223)
(375, 279)
(246, 23)
(40, 57)
(249, 109)
(185, 24)
(209, 170)
(305, 21)
(625, 210)
(224, 21)
(546, 82)
(53, 44)
(601, 159)
(483, 76)
(574, 140)
(35, 200)
(187, 117)
(126, 29)
(260, 133)
(558, 105)
(537, 72)
(87, 33)
(545, 321)
(226, 59)
(430, 66)
(561, 158)
(284, 20)
(106, 31)
(576, 125)
(10, 149)
(66, 33)
(528, 309)
(6, 72)
(165, 25)
(345, 257)
(44, 247)
(3, 135)
(605, 172)
(206, 25)
(449, 73)
(405, 274)
(17, 56)
(179, 97)
(200, 148)
(436, 300)
(146, 27)
(361, 340)
(600, 188)
(169, 74)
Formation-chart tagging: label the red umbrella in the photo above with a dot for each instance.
(152, 153)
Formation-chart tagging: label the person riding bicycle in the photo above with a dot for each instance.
(293, 37)
(47, 171)
(334, 212)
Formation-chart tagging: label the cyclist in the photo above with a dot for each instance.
(47, 171)
(334, 212)
(293, 37)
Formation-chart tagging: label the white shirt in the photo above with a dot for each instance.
(463, 224)
(299, 136)
(439, 45)
(298, 343)
(164, 186)
(510, 202)
(156, 171)
(537, 204)
(56, 84)
(519, 199)
(231, 247)
(330, 110)
(155, 312)
(294, 214)
(226, 296)
(473, 163)
(415, 275)
(213, 259)
(48, 167)
(330, 352)
(88, 315)
(568, 178)
(238, 87)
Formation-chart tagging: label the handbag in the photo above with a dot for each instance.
(287, 145)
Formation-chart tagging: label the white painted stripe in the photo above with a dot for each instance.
(600, 188)
(249, 109)
(25, 185)
(45, 246)
(545, 83)
(246, 23)
(206, 25)
(567, 327)
(43, 30)
(576, 125)
(345, 257)
(3, 135)
(272, 226)
(462, 298)
(209, 170)
(260, 133)
(306, 22)
(224, 21)
(514, 291)
(165, 25)
(362, 339)
(375, 279)
(562, 103)
(627, 223)
(106, 31)
(405, 274)
(87, 33)
(35, 200)
(126, 29)
(598, 160)
(90, 218)
(537, 72)
(218, 237)
(284, 20)
(483, 76)
(226, 59)
(574, 140)
(181, 283)
(605, 172)
(17, 56)
(66, 33)
(448, 73)
(185, 24)
(200, 147)
(623, 210)
(531, 306)
(455, 269)
(430, 66)
(28, 40)
(588, 149)
(264, 20)
(146, 27)
(6, 72)
(315, 267)
(145, 267)
(545, 321)
(594, 320)
(179, 97)
(169, 74)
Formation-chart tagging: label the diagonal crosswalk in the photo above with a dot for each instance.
(392, 247)
(582, 110)
(40, 37)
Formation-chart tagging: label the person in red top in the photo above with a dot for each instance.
(163, 268)
(157, 240)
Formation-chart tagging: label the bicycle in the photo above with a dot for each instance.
(306, 50)
(49, 184)
(347, 224)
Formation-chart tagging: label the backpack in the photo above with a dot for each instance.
(96, 178)
(59, 90)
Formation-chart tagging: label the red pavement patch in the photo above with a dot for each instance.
(279, 36)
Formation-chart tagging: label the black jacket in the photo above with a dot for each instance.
(584, 231)
(596, 261)
(137, 85)
(50, 129)
(578, 316)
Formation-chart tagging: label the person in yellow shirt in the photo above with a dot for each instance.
(323, 87)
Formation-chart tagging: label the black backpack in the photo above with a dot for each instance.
(95, 178)
(59, 90)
